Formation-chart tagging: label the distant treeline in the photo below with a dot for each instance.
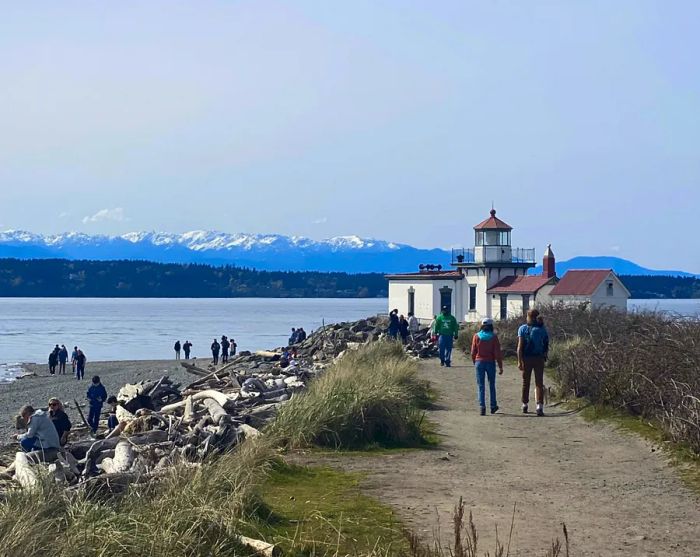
(662, 286)
(143, 279)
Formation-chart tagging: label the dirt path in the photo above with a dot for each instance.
(616, 495)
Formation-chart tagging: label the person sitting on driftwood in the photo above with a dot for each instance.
(41, 439)
(112, 420)
(60, 420)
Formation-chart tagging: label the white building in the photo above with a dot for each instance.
(595, 288)
(489, 280)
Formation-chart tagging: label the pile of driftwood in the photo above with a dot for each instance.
(162, 423)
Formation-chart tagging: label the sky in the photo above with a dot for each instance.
(399, 120)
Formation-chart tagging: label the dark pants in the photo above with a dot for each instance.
(224, 356)
(536, 364)
(31, 445)
(80, 371)
(445, 343)
(187, 354)
(94, 416)
(215, 357)
(112, 422)
(62, 367)
(177, 354)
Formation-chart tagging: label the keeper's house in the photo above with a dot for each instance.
(594, 288)
(491, 280)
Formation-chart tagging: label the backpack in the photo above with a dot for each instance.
(536, 341)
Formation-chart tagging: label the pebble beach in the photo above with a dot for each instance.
(38, 386)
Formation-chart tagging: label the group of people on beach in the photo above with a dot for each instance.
(47, 429)
(297, 336)
(187, 348)
(227, 347)
(400, 327)
(58, 358)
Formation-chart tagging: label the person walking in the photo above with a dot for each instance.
(446, 329)
(413, 325)
(53, 360)
(187, 347)
(533, 347)
(74, 358)
(486, 353)
(225, 345)
(62, 359)
(393, 330)
(215, 346)
(96, 395)
(80, 361)
(60, 420)
(41, 439)
(403, 329)
(177, 349)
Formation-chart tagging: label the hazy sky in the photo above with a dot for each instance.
(398, 120)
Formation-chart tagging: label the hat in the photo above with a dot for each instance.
(487, 321)
(444, 308)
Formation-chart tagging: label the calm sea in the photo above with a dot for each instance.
(146, 329)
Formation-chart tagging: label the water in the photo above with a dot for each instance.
(688, 308)
(146, 329)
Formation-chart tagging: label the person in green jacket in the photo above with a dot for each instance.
(446, 329)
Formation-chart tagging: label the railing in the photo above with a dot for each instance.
(523, 255)
(462, 256)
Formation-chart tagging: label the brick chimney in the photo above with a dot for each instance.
(549, 266)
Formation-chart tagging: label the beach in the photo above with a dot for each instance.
(37, 389)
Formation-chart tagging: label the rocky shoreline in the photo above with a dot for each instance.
(178, 411)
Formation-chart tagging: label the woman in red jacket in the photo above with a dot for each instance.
(486, 352)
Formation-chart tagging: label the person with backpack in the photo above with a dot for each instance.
(446, 329)
(187, 347)
(533, 347)
(486, 353)
(177, 348)
(96, 395)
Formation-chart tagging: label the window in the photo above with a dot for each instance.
(446, 297)
(526, 303)
(411, 300)
(609, 288)
(492, 238)
(472, 298)
(504, 306)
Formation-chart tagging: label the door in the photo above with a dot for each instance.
(411, 300)
(446, 298)
(504, 306)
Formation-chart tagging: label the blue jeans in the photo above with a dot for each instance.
(445, 349)
(28, 444)
(486, 369)
(94, 416)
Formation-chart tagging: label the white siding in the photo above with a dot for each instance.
(427, 297)
(619, 297)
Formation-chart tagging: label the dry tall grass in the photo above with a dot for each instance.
(371, 396)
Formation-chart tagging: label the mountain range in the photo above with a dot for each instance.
(276, 252)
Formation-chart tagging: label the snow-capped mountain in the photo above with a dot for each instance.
(263, 251)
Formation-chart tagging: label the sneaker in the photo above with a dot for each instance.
(448, 364)
(442, 364)
(483, 411)
(524, 408)
(540, 411)
(494, 409)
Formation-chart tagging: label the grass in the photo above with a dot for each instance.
(371, 397)
(319, 511)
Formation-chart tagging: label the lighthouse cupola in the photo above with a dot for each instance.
(492, 241)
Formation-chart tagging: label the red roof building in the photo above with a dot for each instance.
(493, 223)
(528, 284)
(596, 288)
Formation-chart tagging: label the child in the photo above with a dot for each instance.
(112, 420)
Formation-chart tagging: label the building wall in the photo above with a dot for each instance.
(618, 300)
(427, 297)
(543, 296)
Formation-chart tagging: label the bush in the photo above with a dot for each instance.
(370, 396)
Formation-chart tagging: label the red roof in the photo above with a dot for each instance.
(528, 284)
(424, 275)
(580, 283)
(493, 223)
